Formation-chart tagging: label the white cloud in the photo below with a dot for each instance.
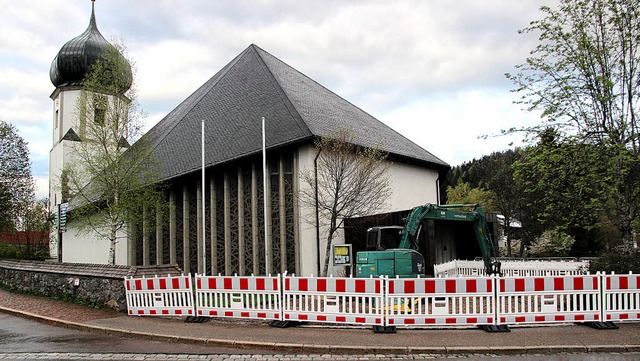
(42, 186)
(433, 70)
(158, 80)
(451, 125)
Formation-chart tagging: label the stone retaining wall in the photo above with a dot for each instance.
(99, 284)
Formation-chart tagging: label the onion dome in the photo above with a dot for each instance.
(77, 56)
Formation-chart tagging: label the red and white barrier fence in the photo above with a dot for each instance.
(239, 297)
(159, 296)
(440, 302)
(523, 300)
(334, 300)
(621, 297)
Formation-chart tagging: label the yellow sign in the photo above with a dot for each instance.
(342, 255)
(341, 251)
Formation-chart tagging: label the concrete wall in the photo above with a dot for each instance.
(410, 186)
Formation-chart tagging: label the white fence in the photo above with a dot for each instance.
(462, 268)
(159, 296)
(238, 297)
(440, 302)
(622, 298)
(413, 302)
(334, 300)
(523, 300)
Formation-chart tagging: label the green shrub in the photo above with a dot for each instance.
(8, 251)
(620, 262)
(36, 252)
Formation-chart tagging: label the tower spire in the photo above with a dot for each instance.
(92, 20)
(77, 56)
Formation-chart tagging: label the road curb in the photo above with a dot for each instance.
(296, 348)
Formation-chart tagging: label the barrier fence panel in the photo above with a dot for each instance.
(159, 296)
(524, 300)
(537, 268)
(334, 300)
(239, 297)
(457, 268)
(462, 301)
(621, 297)
(440, 301)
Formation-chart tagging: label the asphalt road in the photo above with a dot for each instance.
(19, 335)
(24, 339)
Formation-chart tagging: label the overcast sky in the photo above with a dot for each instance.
(432, 70)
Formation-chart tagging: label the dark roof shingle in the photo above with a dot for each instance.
(254, 85)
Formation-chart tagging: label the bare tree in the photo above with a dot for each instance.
(348, 181)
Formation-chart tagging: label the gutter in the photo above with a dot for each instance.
(315, 169)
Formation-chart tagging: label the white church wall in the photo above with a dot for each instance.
(87, 247)
(308, 239)
(411, 186)
(64, 117)
(65, 113)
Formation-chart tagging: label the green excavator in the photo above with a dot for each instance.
(386, 255)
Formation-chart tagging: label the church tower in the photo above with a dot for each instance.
(68, 70)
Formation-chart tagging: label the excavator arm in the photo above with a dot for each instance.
(453, 212)
(413, 225)
(485, 242)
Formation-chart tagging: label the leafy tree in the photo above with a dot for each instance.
(16, 182)
(584, 75)
(462, 193)
(5, 209)
(109, 182)
(349, 181)
(37, 227)
(562, 189)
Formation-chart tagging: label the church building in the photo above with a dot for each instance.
(297, 111)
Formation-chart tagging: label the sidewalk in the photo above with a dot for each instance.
(326, 339)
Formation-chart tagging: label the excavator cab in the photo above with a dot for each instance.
(384, 258)
(383, 238)
(404, 263)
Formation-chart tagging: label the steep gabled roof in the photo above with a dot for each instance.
(254, 85)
